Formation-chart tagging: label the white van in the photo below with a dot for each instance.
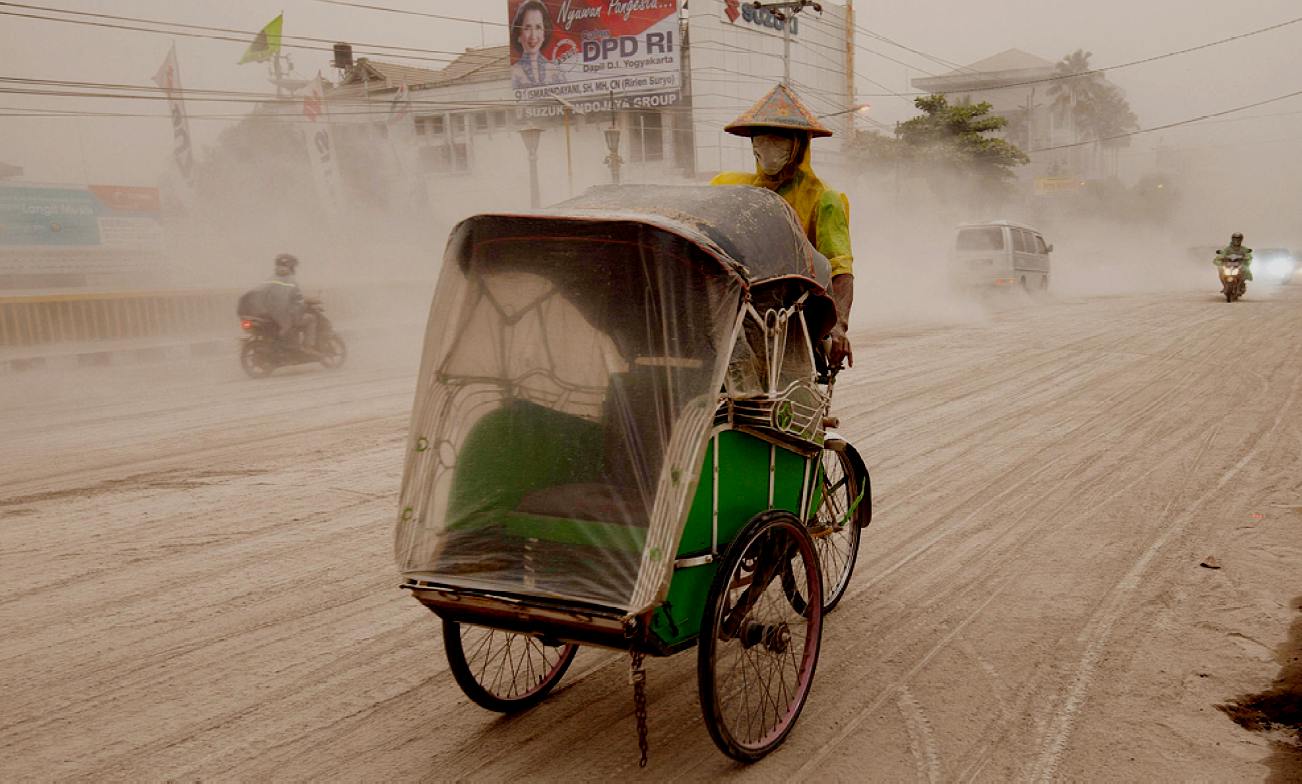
(1000, 253)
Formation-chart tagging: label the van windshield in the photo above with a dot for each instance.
(988, 238)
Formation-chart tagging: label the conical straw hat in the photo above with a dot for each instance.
(780, 108)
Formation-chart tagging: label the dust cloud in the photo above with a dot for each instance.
(1153, 235)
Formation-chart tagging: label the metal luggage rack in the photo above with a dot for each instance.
(797, 412)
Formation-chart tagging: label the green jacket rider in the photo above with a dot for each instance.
(780, 128)
(1236, 246)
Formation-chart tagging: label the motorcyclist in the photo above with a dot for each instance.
(780, 128)
(284, 303)
(1236, 246)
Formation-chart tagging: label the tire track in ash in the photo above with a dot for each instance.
(1082, 344)
(659, 739)
(615, 658)
(1115, 423)
(1109, 422)
(245, 444)
(994, 414)
(984, 384)
(978, 764)
(958, 467)
(1021, 540)
(1099, 628)
(119, 526)
(201, 415)
(952, 593)
(133, 664)
(922, 740)
(1021, 467)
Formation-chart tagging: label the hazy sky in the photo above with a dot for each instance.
(133, 150)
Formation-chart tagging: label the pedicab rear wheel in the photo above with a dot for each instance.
(504, 671)
(760, 636)
(835, 526)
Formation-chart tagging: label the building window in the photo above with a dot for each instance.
(431, 125)
(499, 120)
(481, 122)
(445, 158)
(646, 132)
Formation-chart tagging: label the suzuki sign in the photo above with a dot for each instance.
(749, 14)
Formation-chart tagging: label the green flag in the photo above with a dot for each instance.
(267, 43)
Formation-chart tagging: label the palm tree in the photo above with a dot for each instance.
(1075, 84)
(1107, 120)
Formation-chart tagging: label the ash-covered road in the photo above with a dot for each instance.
(196, 578)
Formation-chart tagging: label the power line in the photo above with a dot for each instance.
(210, 28)
(1168, 126)
(225, 34)
(210, 32)
(1140, 61)
(412, 13)
(938, 60)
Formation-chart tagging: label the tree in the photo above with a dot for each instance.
(961, 139)
(954, 149)
(1106, 116)
(1076, 85)
(1095, 109)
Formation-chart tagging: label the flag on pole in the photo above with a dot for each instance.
(169, 79)
(320, 146)
(314, 101)
(400, 106)
(266, 44)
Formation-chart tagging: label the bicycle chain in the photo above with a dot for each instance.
(637, 677)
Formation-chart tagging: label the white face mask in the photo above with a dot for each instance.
(772, 152)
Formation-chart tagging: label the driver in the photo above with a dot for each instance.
(1236, 246)
(780, 128)
(284, 302)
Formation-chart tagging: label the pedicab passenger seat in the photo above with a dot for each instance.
(636, 420)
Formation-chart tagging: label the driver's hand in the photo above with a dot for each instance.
(840, 352)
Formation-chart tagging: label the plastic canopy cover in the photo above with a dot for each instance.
(572, 367)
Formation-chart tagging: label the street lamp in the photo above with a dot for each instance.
(613, 160)
(530, 136)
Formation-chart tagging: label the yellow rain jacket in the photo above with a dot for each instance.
(823, 212)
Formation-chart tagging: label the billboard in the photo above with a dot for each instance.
(95, 216)
(593, 54)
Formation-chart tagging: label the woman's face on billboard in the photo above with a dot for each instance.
(532, 31)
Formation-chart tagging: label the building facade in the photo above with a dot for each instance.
(1019, 86)
(453, 135)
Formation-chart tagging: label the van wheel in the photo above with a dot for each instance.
(1024, 286)
(1044, 283)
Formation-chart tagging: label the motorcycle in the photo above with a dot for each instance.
(263, 349)
(1231, 272)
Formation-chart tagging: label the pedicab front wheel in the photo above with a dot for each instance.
(835, 527)
(760, 636)
(504, 671)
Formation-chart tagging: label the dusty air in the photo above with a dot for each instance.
(576, 389)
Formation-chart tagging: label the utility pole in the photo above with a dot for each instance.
(849, 66)
(785, 11)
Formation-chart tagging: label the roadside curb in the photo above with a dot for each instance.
(67, 357)
(54, 358)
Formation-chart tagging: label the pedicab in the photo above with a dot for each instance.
(620, 439)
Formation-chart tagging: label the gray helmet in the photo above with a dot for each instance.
(287, 260)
